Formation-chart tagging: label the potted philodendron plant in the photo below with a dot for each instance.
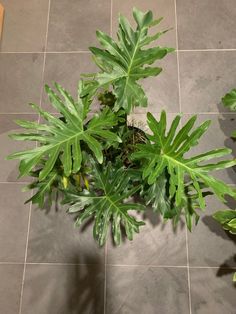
(227, 217)
(101, 163)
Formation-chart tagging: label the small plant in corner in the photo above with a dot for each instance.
(101, 163)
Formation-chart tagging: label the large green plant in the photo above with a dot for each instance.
(101, 163)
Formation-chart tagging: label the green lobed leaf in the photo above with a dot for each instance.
(125, 61)
(106, 202)
(166, 150)
(227, 218)
(62, 139)
(229, 100)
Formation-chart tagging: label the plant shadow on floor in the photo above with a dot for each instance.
(226, 267)
(75, 262)
(227, 124)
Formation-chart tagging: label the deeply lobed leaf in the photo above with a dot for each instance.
(124, 62)
(106, 202)
(165, 152)
(62, 138)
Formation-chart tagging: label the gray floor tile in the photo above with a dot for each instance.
(10, 288)
(9, 168)
(72, 27)
(160, 8)
(63, 289)
(162, 90)
(205, 77)
(150, 290)
(13, 222)
(25, 24)
(206, 24)
(209, 244)
(212, 292)
(65, 69)
(20, 81)
(217, 136)
(53, 238)
(156, 244)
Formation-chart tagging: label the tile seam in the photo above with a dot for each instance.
(180, 108)
(87, 51)
(30, 211)
(116, 265)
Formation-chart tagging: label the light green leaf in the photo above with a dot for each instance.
(109, 205)
(62, 139)
(227, 218)
(125, 61)
(229, 100)
(166, 152)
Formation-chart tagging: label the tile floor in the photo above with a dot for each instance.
(46, 266)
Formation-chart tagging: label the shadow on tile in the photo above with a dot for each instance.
(229, 141)
(54, 239)
(63, 289)
(226, 267)
(210, 293)
(148, 290)
(156, 244)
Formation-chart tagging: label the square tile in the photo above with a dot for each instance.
(13, 222)
(218, 135)
(25, 24)
(147, 290)
(20, 81)
(205, 77)
(206, 24)
(65, 69)
(60, 289)
(209, 244)
(156, 244)
(9, 168)
(211, 293)
(73, 27)
(162, 90)
(10, 288)
(160, 8)
(53, 238)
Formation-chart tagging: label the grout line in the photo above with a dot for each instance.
(29, 219)
(180, 109)
(206, 50)
(16, 182)
(44, 58)
(26, 250)
(42, 52)
(177, 56)
(59, 264)
(146, 265)
(87, 51)
(189, 282)
(105, 278)
(71, 51)
(111, 30)
(116, 265)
